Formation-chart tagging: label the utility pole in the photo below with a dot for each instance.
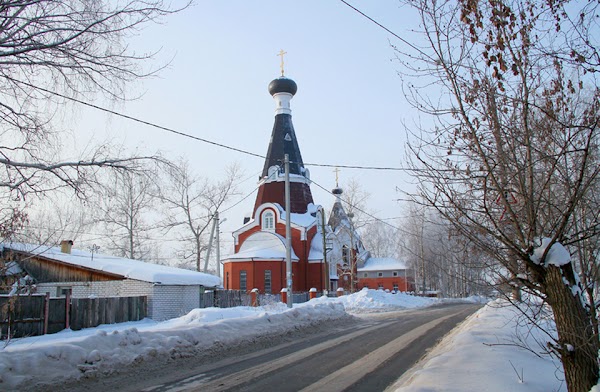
(218, 250)
(352, 255)
(212, 234)
(288, 232)
(325, 264)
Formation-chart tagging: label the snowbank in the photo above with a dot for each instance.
(369, 300)
(74, 354)
(474, 357)
(480, 356)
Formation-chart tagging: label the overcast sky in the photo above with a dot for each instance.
(349, 109)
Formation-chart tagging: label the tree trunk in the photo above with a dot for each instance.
(578, 345)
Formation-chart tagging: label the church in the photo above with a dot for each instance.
(258, 260)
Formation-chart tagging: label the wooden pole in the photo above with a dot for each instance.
(46, 312)
(68, 310)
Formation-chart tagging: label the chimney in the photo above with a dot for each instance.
(65, 246)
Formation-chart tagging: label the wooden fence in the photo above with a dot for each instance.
(224, 299)
(38, 314)
(231, 298)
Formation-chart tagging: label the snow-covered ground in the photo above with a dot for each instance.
(472, 358)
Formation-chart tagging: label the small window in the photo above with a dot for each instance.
(395, 273)
(365, 275)
(268, 221)
(345, 253)
(61, 291)
(268, 281)
(395, 286)
(380, 286)
(243, 282)
(380, 274)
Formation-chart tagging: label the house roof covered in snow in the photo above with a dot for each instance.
(128, 268)
(382, 264)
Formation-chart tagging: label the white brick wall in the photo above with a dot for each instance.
(164, 301)
(173, 301)
(111, 288)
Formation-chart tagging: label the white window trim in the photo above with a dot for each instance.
(268, 221)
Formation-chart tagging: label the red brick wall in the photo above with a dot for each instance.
(388, 283)
(305, 275)
(274, 192)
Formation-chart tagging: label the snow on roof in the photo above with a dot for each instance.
(382, 264)
(132, 269)
(262, 245)
(316, 248)
(305, 220)
(11, 268)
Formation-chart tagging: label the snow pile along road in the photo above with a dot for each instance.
(483, 355)
(368, 300)
(475, 357)
(73, 354)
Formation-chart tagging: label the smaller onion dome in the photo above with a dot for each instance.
(337, 191)
(282, 85)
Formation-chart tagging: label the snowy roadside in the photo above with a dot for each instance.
(463, 361)
(480, 355)
(69, 355)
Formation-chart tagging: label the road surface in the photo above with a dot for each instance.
(368, 353)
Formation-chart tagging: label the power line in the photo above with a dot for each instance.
(241, 200)
(383, 27)
(359, 209)
(180, 133)
(136, 119)
(359, 167)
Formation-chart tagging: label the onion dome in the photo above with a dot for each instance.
(282, 85)
(336, 191)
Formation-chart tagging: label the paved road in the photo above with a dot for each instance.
(368, 355)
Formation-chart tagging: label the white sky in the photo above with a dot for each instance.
(349, 108)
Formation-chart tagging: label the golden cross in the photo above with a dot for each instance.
(281, 53)
(337, 172)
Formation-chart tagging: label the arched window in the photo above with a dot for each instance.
(345, 255)
(268, 221)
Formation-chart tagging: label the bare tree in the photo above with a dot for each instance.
(191, 202)
(55, 219)
(52, 50)
(512, 155)
(124, 209)
(441, 258)
(381, 239)
(355, 200)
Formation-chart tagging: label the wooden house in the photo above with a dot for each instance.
(171, 292)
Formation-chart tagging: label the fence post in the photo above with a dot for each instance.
(312, 293)
(68, 309)
(284, 295)
(254, 297)
(46, 312)
(340, 291)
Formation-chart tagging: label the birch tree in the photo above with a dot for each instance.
(124, 209)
